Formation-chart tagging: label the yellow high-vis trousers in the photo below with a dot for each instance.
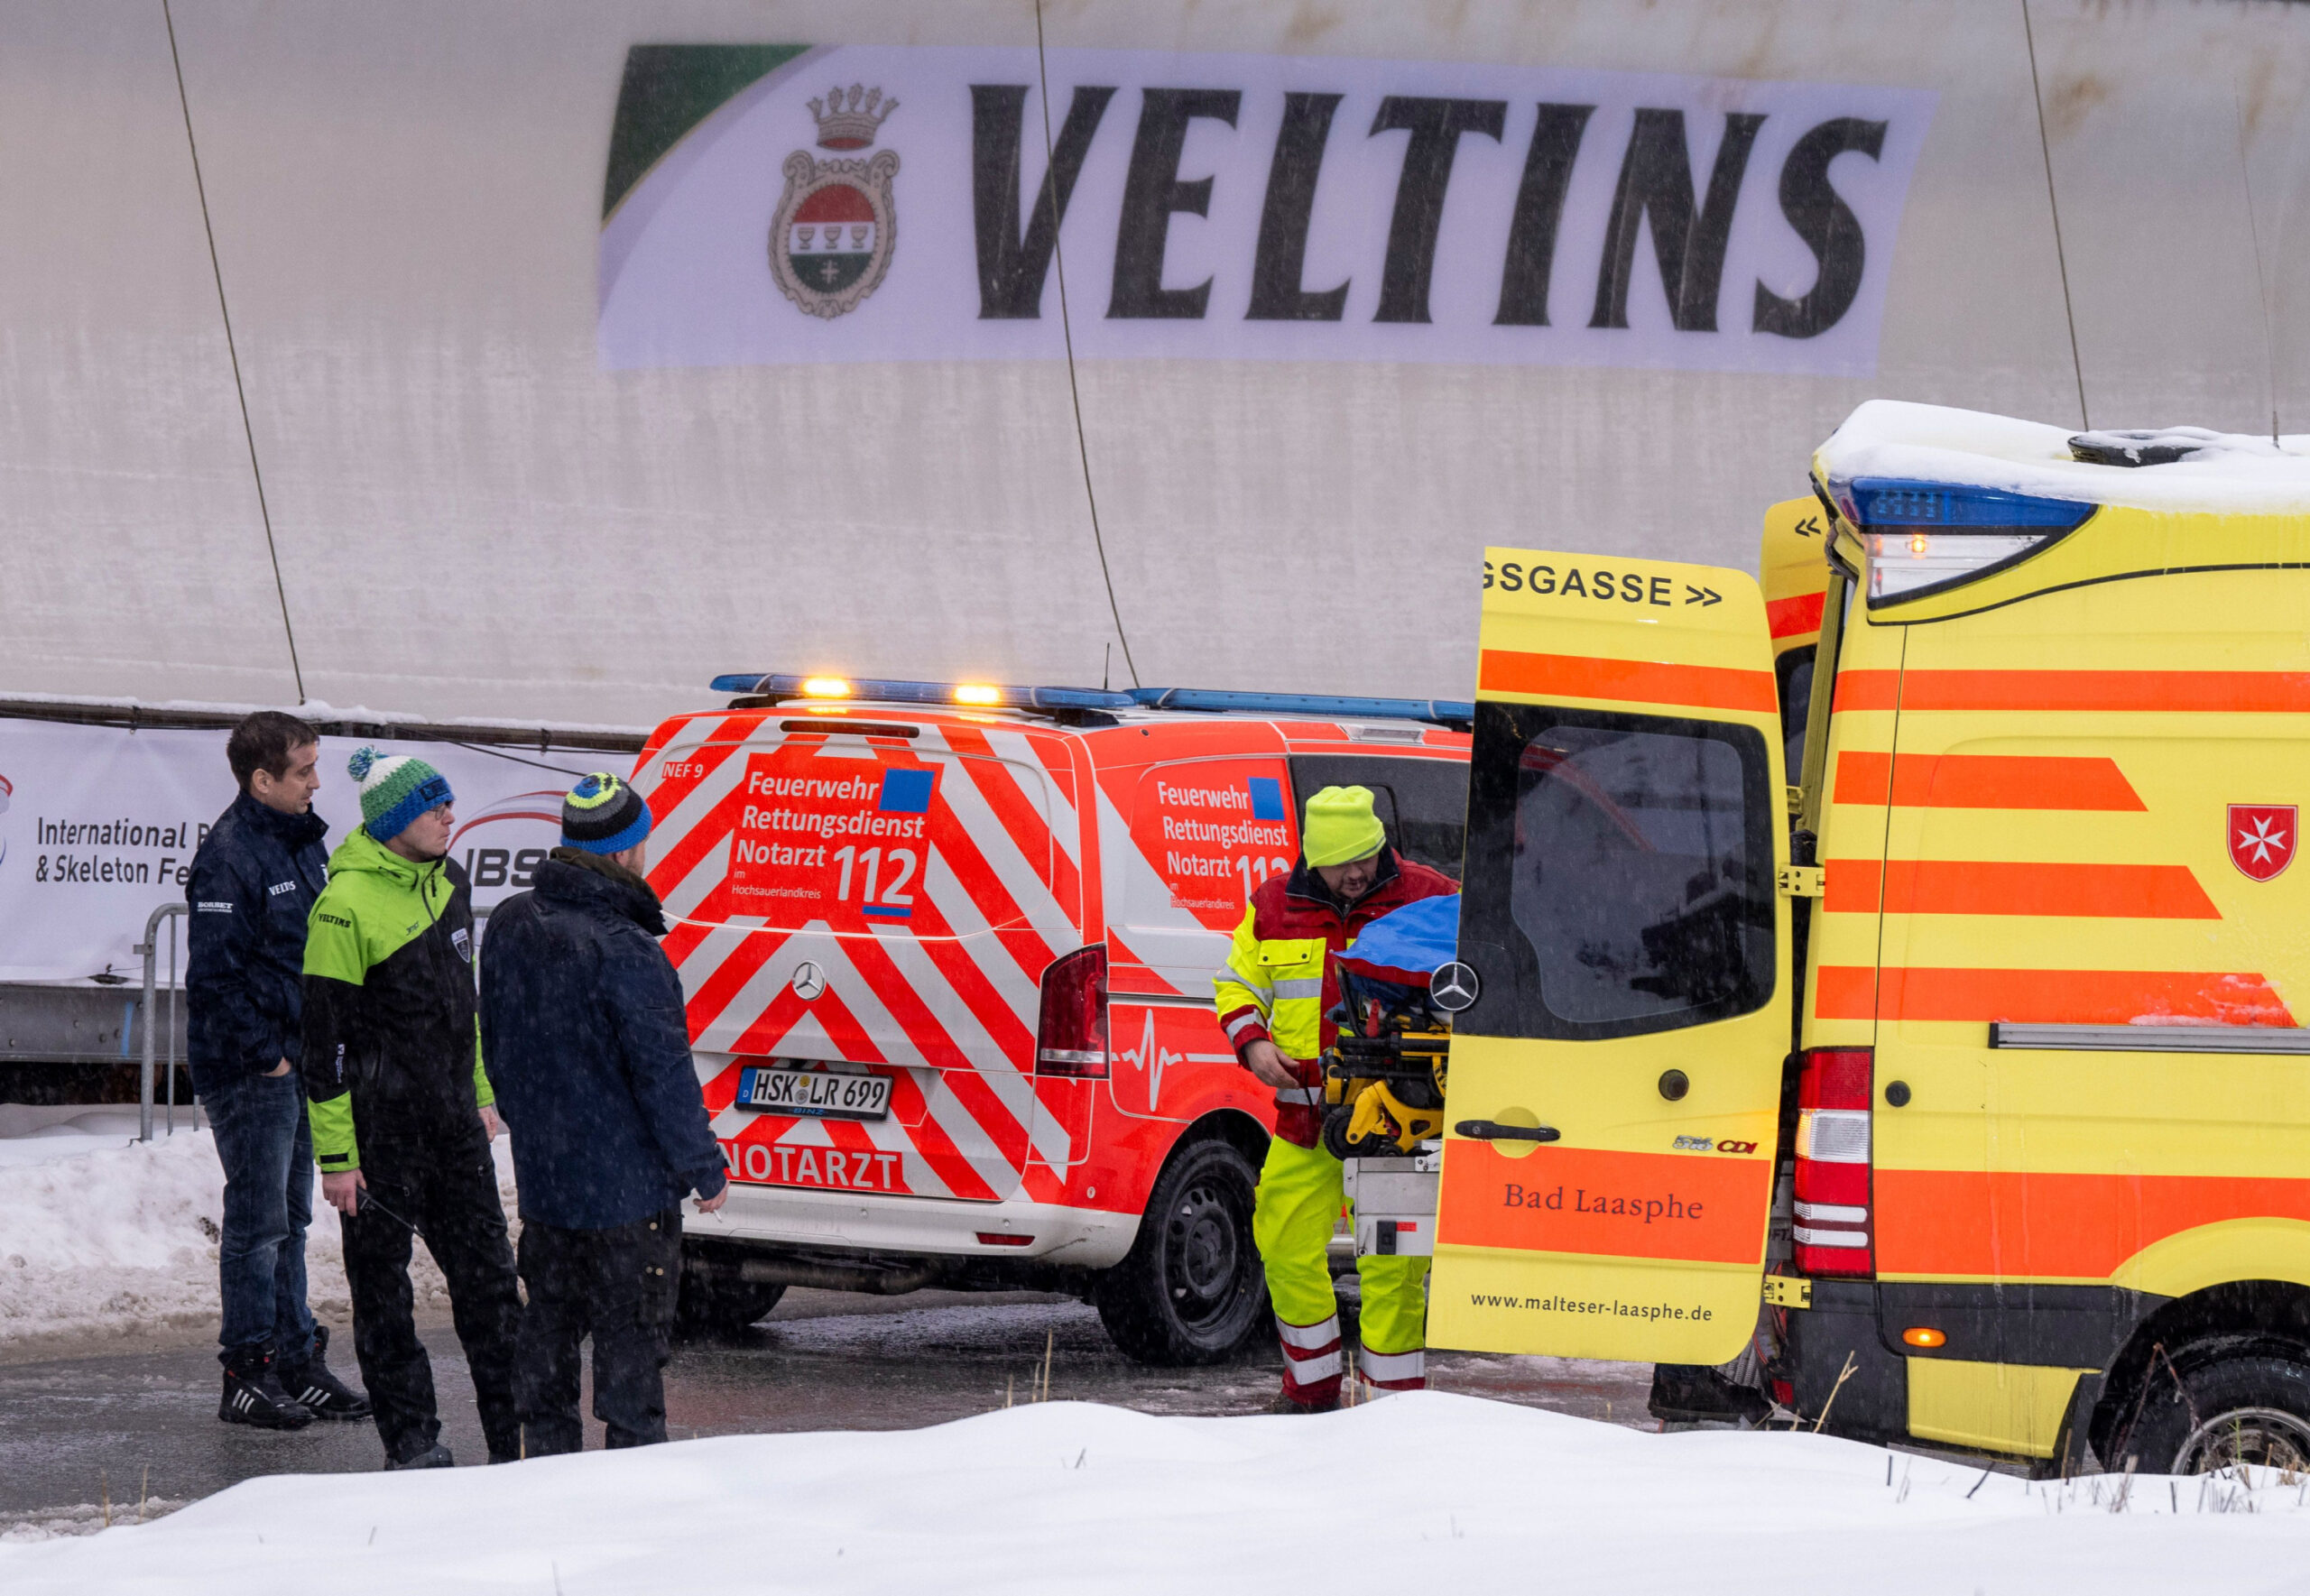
(1299, 1200)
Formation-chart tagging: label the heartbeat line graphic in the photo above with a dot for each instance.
(1155, 1060)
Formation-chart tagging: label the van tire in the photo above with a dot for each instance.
(2245, 1408)
(715, 1306)
(1190, 1291)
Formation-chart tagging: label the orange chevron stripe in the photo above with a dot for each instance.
(1983, 782)
(2032, 1226)
(2140, 692)
(2048, 997)
(1793, 617)
(1634, 682)
(1982, 887)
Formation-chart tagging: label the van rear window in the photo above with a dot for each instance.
(1422, 802)
(888, 839)
(1619, 872)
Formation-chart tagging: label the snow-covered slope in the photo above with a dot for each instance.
(100, 1235)
(1419, 1493)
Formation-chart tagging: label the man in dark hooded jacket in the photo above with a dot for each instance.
(583, 1029)
(254, 881)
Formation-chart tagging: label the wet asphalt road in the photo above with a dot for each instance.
(76, 1430)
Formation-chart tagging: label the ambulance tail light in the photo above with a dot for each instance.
(1926, 536)
(1833, 1234)
(1072, 1037)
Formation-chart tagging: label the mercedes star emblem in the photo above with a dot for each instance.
(810, 980)
(1453, 987)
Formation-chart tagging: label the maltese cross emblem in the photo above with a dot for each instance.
(2261, 838)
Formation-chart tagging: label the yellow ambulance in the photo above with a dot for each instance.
(1936, 896)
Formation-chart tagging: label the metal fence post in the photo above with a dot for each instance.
(150, 947)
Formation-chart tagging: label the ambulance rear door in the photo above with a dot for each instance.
(1613, 1087)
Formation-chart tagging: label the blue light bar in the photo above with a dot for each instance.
(879, 690)
(1399, 709)
(944, 696)
(1875, 503)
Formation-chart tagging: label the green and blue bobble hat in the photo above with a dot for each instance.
(395, 789)
(603, 815)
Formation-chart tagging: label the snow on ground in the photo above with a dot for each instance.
(1424, 1492)
(100, 1235)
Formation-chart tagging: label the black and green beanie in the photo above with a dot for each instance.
(603, 815)
(395, 789)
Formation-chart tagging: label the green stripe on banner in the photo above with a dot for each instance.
(669, 88)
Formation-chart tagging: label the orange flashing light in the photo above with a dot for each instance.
(1918, 1335)
(826, 687)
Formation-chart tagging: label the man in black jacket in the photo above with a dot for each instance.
(583, 1030)
(254, 878)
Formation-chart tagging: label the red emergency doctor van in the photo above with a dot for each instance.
(947, 952)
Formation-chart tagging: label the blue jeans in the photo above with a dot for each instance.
(266, 1145)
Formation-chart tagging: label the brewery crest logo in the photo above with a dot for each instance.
(830, 241)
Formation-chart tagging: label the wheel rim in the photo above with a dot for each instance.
(2263, 1437)
(1204, 1256)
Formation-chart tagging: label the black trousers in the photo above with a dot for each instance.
(448, 1192)
(619, 1285)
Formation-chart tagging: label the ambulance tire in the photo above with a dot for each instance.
(713, 1306)
(1190, 1291)
(2251, 1408)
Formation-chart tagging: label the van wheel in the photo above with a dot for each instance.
(1191, 1290)
(713, 1305)
(2251, 1409)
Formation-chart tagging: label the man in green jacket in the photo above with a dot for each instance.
(401, 1113)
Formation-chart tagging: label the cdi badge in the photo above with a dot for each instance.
(830, 241)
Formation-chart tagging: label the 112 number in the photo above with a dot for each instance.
(903, 862)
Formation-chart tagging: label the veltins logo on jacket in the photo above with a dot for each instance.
(831, 240)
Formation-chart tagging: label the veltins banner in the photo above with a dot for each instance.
(98, 826)
(783, 204)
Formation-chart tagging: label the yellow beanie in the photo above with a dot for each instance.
(1341, 827)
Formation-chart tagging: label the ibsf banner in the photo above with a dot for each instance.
(779, 204)
(98, 826)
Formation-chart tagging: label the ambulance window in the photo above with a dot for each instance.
(1422, 802)
(1621, 872)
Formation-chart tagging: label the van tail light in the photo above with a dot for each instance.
(1834, 1234)
(1072, 1037)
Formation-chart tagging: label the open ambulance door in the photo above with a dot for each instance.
(1614, 1089)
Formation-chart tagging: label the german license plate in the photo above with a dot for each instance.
(814, 1094)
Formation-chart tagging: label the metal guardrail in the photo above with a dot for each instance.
(150, 950)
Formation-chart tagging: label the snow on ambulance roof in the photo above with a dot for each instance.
(2183, 469)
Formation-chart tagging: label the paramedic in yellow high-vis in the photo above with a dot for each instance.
(1274, 989)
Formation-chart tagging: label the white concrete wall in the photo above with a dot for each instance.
(471, 517)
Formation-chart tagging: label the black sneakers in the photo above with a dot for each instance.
(311, 1385)
(253, 1394)
(436, 1456)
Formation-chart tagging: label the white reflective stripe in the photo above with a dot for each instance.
(1813, 1238)
(1307, 1372)
(1300, 986)
(1313, 1337)
(1305, 1096)
(1392, 1366)
(1227, 975)
(1236, 1026)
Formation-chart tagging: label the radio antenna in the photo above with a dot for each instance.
(2053, 205)
(1067, 328)
(2261, 285)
